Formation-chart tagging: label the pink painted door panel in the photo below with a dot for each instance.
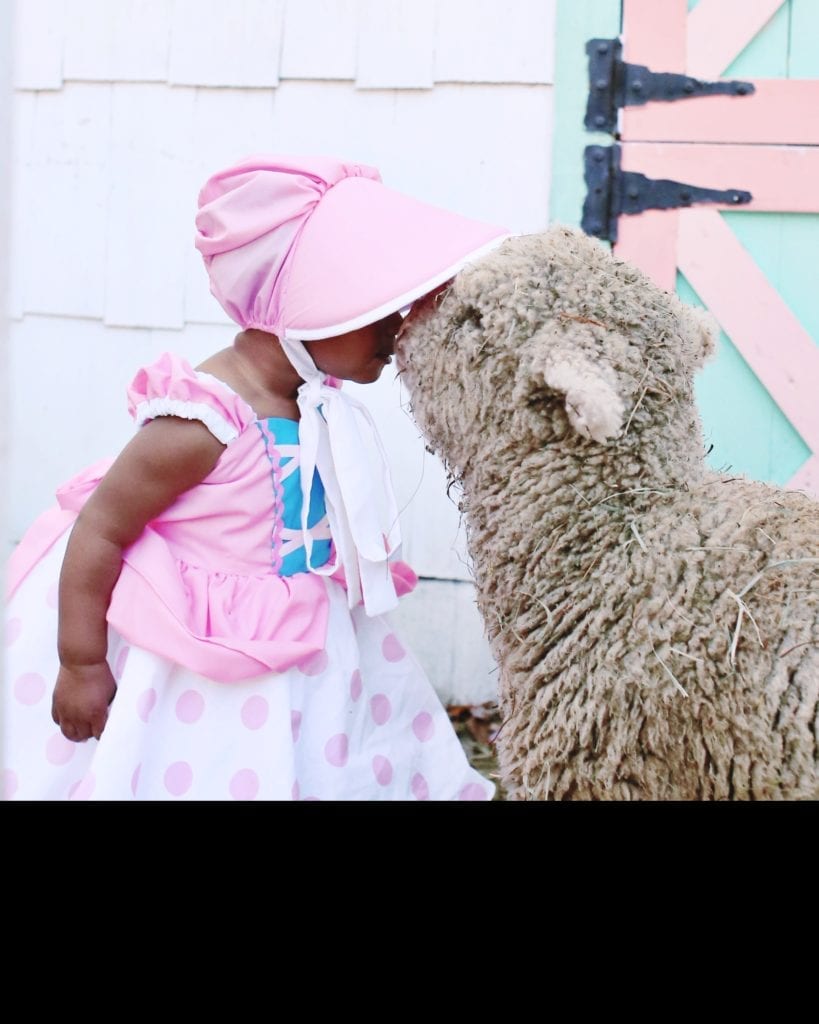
(766, 143)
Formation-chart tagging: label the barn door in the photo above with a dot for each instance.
(754, 264)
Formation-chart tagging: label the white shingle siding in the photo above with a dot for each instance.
(123, 108)
(67, 179)
(396, 44)
(117, 41)
(226, 44)
(320, 39)
(21, 110)
(151, 206)
(6, 232)
(495, 41)
(389, 44)
(39, 40)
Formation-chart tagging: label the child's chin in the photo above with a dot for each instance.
(372, 373)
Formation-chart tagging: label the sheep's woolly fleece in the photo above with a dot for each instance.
(656, 624)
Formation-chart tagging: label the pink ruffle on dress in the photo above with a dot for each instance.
(240, 675)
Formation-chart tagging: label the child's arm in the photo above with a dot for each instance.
(166, 457)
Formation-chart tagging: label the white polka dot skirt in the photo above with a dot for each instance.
(360, 721)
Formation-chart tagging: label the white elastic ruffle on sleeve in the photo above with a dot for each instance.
(216, 424)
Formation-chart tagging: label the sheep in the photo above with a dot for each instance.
(655, 624)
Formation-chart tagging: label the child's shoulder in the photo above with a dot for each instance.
(170, 386)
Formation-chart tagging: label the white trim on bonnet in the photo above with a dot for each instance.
(370, 317)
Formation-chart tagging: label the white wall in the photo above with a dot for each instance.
(6, 12)
(124, 107)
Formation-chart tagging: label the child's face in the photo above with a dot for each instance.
(359, 355)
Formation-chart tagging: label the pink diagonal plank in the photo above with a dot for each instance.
(767, 334)
(782, 110)
(649, 241)
(780, 178)
(719, 30)
(807, 478)
(654, 33)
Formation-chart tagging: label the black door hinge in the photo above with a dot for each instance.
(614, 84)
(611, 192)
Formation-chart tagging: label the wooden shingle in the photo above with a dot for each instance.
(150, 207)
(219, 44)
(117, 42)
(39, 27)
(66, 189)
(495, 41)
(396, 41)
(320, 39)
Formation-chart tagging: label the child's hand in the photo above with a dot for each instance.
(81, 698)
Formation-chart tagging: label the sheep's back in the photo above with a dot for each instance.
(656, 650)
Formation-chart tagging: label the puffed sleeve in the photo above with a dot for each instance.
(171, 387)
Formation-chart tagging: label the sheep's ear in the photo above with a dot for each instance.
(594, 408)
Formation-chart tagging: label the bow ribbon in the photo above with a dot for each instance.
(337, 436)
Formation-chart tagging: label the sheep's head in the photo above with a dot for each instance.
(550, 340)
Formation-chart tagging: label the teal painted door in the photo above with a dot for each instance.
(761, 419)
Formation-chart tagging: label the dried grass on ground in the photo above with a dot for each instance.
(477, 725)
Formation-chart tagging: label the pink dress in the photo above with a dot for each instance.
(240, 675)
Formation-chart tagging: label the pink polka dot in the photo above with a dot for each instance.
(135, 779)
(178, 778)
(391, 648)
(294, 792)
(190, 706)
(254, 712)
(295, 724)
(83, 789)
(29, 688)
(473, 791)
(382, 769)
(59, 750)
(355, 685)
(419, 787)
(53, 594)
(122, 657)
(423, 726)
(380, 708)
(315, 664)
(10, 784)
(336, 750)
(244, 785)
(145, 703)
(14, 627)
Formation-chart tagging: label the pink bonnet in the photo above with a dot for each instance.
(312, 247)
